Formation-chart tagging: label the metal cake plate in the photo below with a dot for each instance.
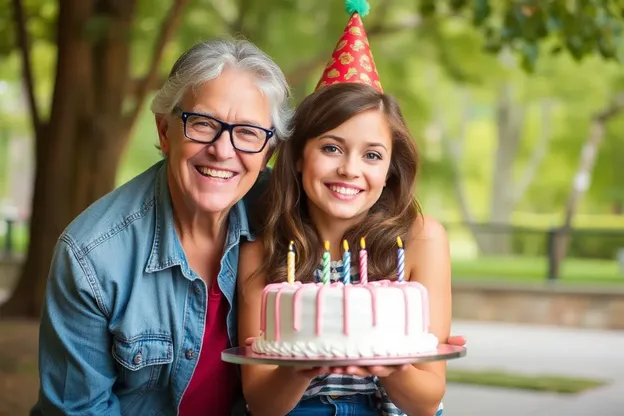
(244, 355)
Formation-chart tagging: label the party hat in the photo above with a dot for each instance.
(352, 60)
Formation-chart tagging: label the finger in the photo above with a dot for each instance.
(384, 371)
(457, 340)
(357, 371)
(337, 370)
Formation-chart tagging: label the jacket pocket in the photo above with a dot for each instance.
(144, 361)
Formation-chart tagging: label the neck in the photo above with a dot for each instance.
(332, 230)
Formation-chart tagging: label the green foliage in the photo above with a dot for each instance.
(581, 28)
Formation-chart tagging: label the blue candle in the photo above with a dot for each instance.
(346, 263)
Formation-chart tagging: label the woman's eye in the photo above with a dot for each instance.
(330, 148)
(372, 156)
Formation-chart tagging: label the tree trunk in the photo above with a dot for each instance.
(78, 151)
(510, 121)
(582, 178)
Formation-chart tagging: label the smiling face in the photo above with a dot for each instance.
(211, 178)
(344, 170)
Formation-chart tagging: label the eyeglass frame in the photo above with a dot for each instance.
(229, 127)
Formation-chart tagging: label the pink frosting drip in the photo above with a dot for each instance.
(319, 309)
(373, 292)
(265, 294)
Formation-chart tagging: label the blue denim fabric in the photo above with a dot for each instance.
(124, 313)
(351, 405)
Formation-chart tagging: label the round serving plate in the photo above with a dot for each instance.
(244, 355)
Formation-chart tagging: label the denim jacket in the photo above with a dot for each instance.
(123, 321)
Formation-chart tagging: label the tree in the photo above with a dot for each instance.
(582, 177)
(79, 144)
(96, 95)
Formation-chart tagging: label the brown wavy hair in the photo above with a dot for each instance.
(284, 214)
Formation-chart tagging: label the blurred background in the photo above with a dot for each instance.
(518, 110)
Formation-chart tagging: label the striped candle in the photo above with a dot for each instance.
(326, 261)
(346, 263)
(401, 260)
(363, 262)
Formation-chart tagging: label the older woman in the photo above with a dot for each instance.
(139, 299)
(139, 303)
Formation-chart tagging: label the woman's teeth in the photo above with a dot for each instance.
(215, 173)
(344, 191)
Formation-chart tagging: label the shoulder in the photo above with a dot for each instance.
(428, 251)
(427, 229)
(250, 257)
(252, 249)
(114, 212)
(249, 275)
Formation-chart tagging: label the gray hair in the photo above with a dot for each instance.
(207, 60)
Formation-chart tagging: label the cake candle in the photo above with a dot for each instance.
(363, 262)
(290, 276)
(326, 260)
(346, 263)
(401, 260)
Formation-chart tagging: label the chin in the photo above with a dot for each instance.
(344, 213)
(216, 204)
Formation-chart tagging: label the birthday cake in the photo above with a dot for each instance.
(342, 319)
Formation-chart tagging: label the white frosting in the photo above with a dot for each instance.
(352, 349)
(397, 332)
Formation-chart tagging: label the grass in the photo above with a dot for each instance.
(534, 269)
(545, 383)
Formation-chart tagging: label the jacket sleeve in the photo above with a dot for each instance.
(76, 367)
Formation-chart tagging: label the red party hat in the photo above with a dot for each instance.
(352, 60)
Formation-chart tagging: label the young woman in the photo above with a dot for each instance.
(348, 170)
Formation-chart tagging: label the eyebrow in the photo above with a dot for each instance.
(210, 114)
(343, 141)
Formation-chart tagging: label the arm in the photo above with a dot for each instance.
(419, 389)
(268, 390)
(76, 367)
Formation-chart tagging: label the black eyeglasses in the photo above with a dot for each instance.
(202, 128)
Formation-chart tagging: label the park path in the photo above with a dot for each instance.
(535, 350)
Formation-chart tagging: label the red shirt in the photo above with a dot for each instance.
(214, 384)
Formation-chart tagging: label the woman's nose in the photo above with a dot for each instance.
(349, 168)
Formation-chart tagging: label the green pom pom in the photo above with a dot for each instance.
(360, 7)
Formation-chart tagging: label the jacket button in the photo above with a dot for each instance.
(190, 354)
(137, 359)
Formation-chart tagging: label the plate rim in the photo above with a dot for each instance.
(244, 355)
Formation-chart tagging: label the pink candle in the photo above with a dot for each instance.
(363, 262)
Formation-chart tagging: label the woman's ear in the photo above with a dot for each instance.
(162, 125)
